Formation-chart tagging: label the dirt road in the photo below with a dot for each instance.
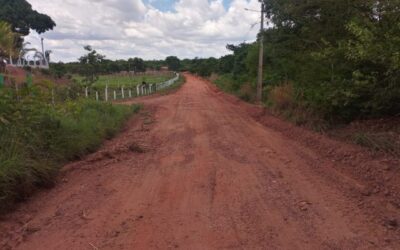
(202, 170)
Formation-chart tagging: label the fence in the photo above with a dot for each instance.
(61, 93)
(112, 94)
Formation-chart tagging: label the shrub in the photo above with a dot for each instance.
(37, 138)
(282, 97)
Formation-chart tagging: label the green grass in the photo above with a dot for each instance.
(174, 86)
(383, 141)
(116, 81)
(36, 139)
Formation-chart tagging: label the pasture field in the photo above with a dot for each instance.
(116, 81)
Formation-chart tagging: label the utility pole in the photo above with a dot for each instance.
(43, 52)
(261, 58)
(41, 39)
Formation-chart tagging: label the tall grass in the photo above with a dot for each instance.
(241, 87)
(36, 138)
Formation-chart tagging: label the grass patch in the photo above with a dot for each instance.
(238, 86)
(117, 81)
(36, 139)
(383, 142)
(174, 87)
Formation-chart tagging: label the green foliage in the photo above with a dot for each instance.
(136, 64)
(202, 67)
(37, 138)
(7, 39)
(174, 86)
(173, 63)
(341, 56)
(117, 81)
(22, 17)
(90, 65)
(57, 70)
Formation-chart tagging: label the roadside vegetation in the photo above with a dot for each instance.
(174, 87)
(37, 138)
(45, 121)
(338, 60)
(328, 63)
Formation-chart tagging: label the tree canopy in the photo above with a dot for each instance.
(22, 17)
(173, 63)
(90, 65)
(343, 56)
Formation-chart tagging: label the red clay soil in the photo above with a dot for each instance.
(199, 169)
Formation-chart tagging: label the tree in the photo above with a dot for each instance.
(7, 39)
(342, 56)
(22, 17)
(136, 64)
(226, 64)
(57, 70)
(90, 65)
(173, 63)
(240, 53)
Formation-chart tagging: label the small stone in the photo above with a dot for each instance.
(108, 155)
(32, 228)
(391, 223)
(366, 192)
(303, 205)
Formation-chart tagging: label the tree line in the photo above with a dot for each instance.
(338, 59)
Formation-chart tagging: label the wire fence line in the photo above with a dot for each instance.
(54, 94)
(112, 93)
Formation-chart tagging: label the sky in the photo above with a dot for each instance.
(149, 29)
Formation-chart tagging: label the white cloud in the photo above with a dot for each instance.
(129, 28)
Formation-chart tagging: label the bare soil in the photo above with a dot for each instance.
(199, 169)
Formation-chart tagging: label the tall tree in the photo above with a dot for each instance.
(173, 63)
(90, 65)
(22, 17)
(136, 64)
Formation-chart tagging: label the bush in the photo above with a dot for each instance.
(37, 138)
(282, 97)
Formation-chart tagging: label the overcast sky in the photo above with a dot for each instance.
(150, 29)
